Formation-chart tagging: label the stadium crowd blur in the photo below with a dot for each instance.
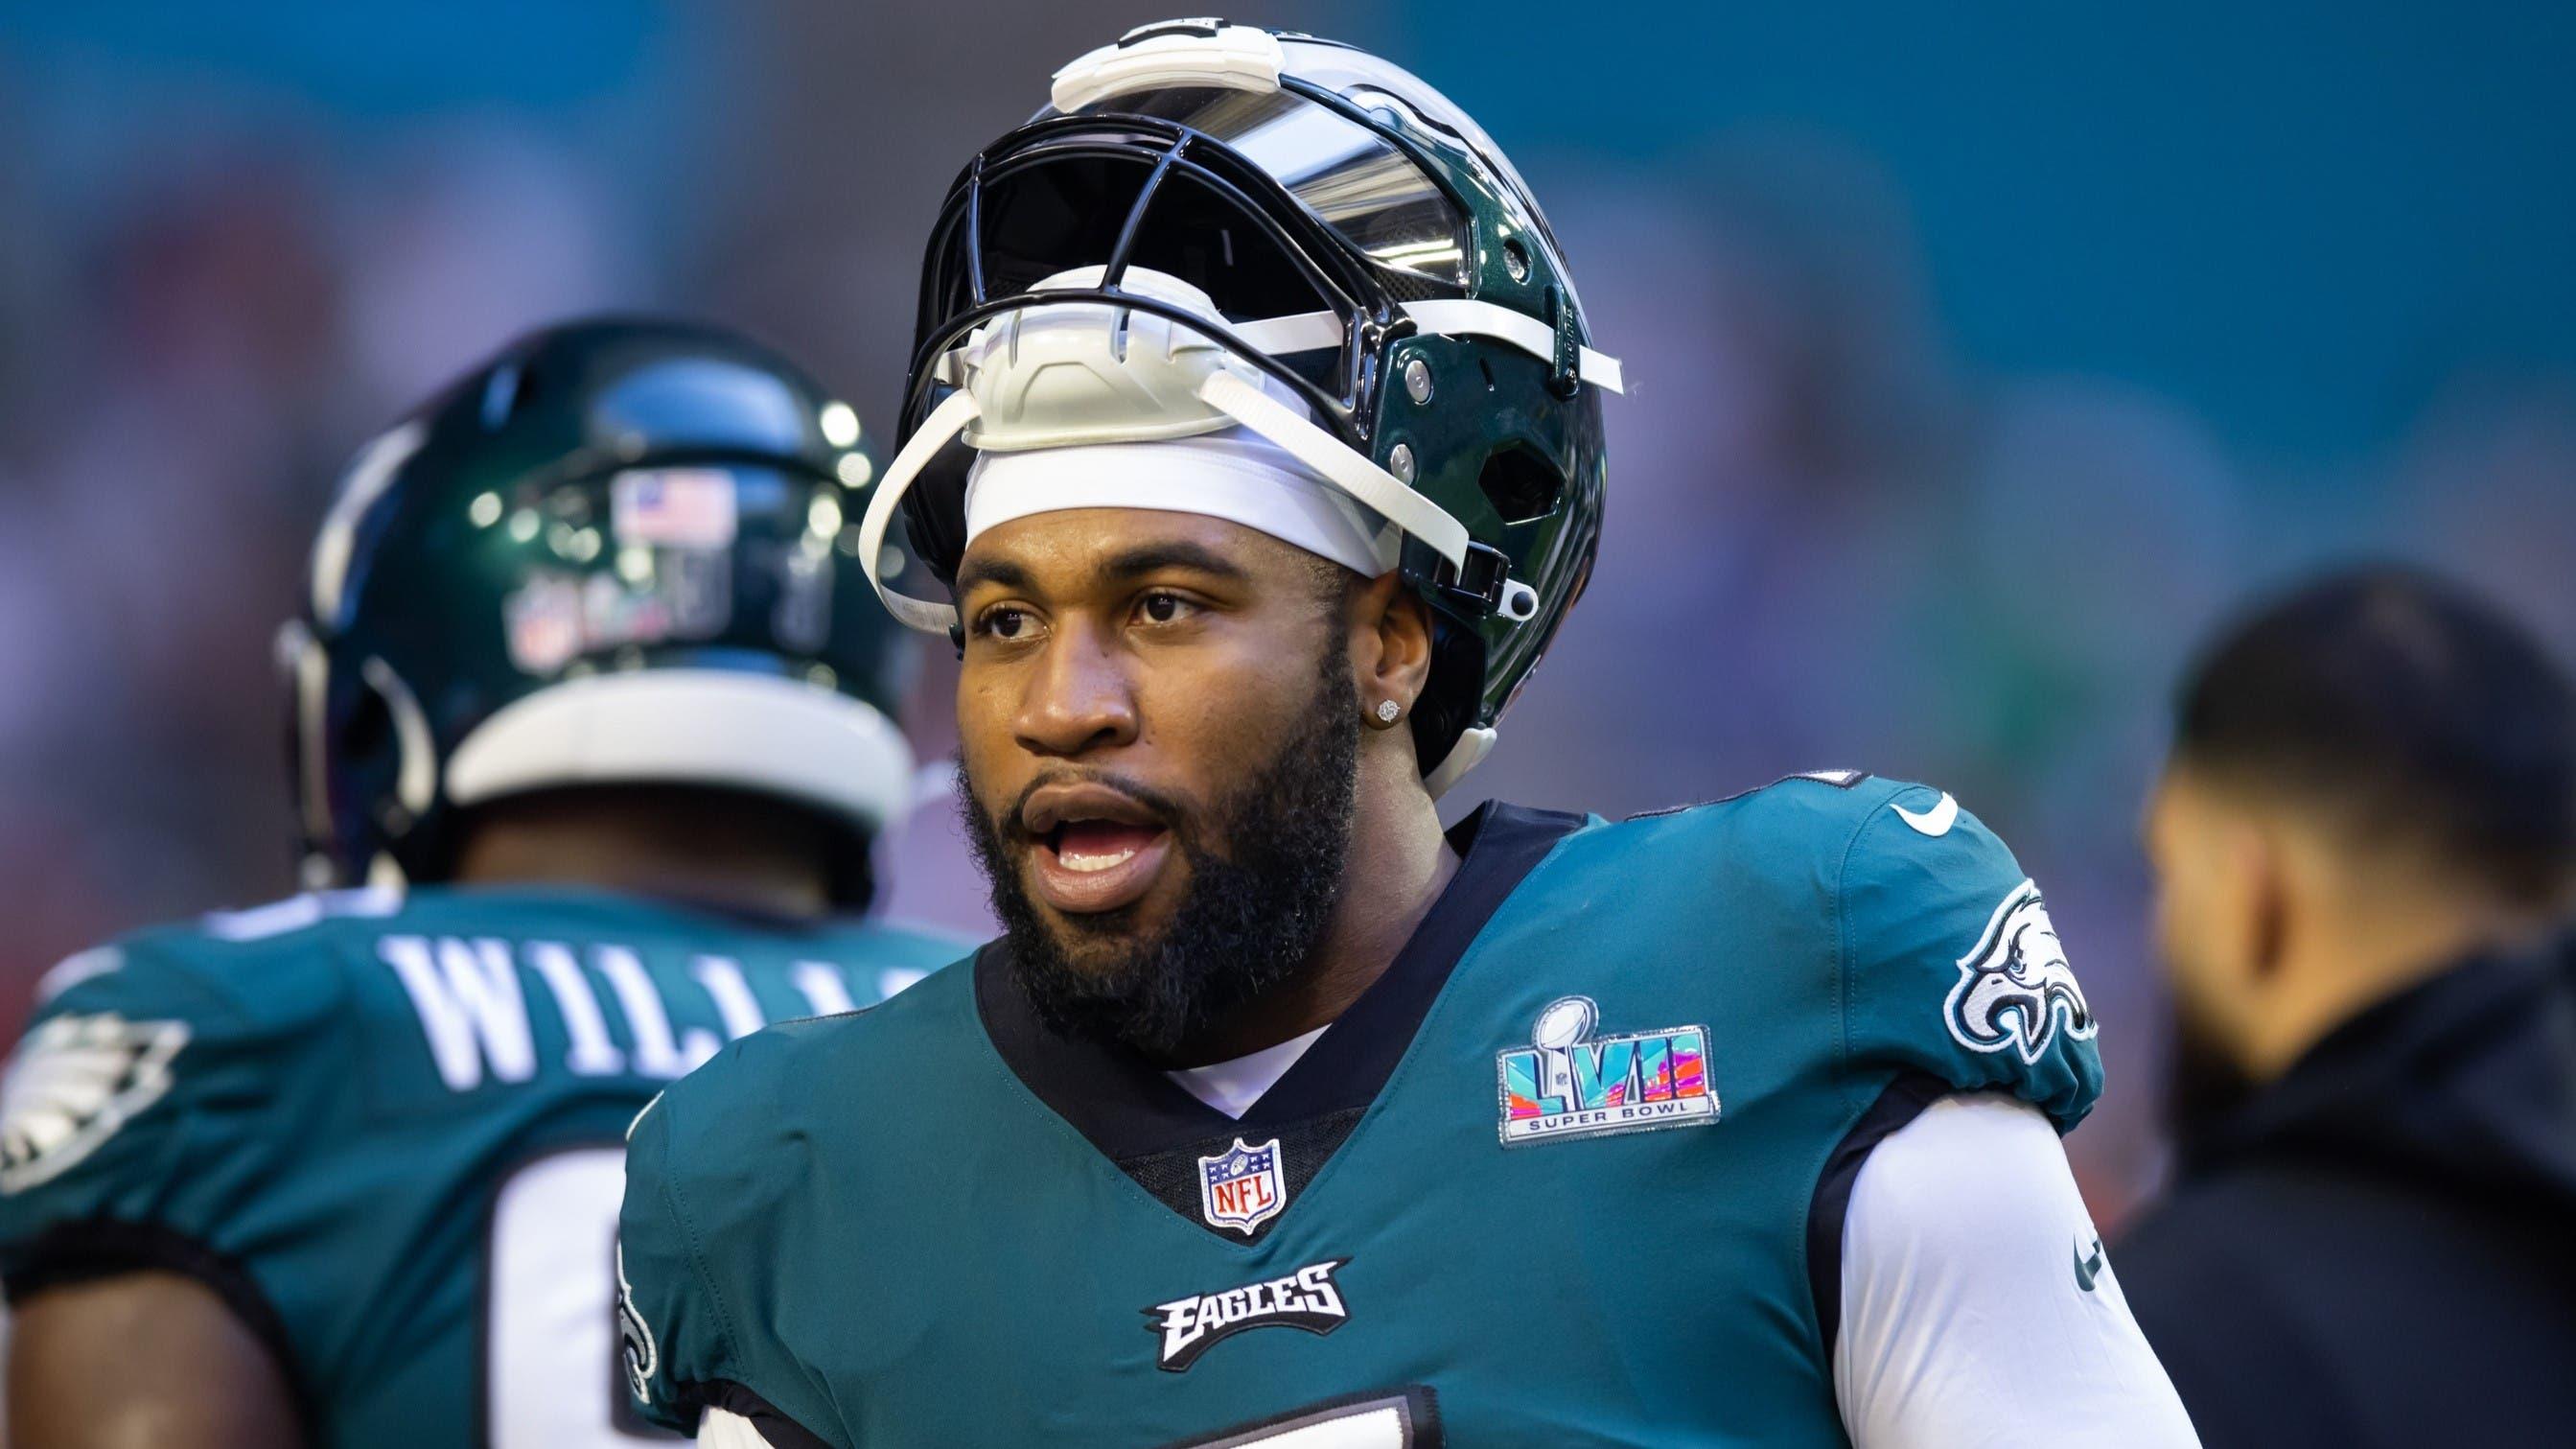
(1975, 378)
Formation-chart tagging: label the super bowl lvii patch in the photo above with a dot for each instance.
(1569, 1083)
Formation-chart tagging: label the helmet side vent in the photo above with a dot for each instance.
(1519, 483)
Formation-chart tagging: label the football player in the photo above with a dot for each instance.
(1256, 434)
(593, 713)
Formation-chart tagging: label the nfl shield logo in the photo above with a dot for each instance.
(1241, 1187)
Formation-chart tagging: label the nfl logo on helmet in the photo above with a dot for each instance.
(1241, 1187)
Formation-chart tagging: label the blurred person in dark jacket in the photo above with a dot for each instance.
(2364, 842)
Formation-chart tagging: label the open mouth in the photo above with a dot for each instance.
(1097, 849)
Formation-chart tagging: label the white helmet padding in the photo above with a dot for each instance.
(1086, 372)
(713, 727)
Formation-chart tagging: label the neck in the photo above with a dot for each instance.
(2365, 960)
(1399, 863)
(649, 844)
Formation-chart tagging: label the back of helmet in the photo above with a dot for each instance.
(619, 553)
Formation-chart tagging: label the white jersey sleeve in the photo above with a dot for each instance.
(1978, 1307)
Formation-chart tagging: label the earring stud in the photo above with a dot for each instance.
(1387, 710)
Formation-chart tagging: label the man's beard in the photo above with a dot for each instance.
(2204, 1084)
(1264, 870)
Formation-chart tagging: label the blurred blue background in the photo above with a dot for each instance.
(1984, 358)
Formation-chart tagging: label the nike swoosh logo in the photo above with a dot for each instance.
(2087, 1272)
(1935, 822)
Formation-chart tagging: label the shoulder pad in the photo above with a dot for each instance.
(1950, 963)
(139, 1090)
(1942, 958)
(298, 913)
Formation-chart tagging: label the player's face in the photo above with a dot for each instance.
(2204, 917)
(1158, 726)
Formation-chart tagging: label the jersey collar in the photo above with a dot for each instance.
(1129, 1109)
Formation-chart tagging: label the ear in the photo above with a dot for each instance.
(1390, 643)
(2223, 893)
(2265, 903)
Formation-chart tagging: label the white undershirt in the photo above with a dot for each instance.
(1232, 1087)
(725, 1429)
(1965, 1324)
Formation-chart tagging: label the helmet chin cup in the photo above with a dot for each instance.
(1474, 743)
(1064, 374)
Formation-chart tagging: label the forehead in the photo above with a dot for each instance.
(2177, 801)
(1074, 547)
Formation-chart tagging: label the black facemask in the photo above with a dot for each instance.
(1265, 867)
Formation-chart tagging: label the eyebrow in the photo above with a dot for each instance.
(1155, 557)
(997, 571)
(1119, 567)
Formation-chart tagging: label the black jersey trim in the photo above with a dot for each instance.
(1172, 1176)
(1499, 846)
(1130, 1111)
(779, 1430)
(1903, 1100)
(88, 1250)
(1417, 1411)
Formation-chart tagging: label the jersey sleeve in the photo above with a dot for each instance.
(137, 1117)
(1951, 966)
(672, 1329)
(701, 1262)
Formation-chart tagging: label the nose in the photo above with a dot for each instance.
(1078, 699)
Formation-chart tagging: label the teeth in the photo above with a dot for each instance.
(1083, 862)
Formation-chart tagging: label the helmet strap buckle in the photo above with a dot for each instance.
(1479, 581)
(1565, 369)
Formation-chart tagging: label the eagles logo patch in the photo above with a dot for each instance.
(73, 1082)
(635, 1346)
(2015, 989)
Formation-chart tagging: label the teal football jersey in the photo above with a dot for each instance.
(388, 1130)
(1571, 1172)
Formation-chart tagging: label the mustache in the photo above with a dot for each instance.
(1176, 814)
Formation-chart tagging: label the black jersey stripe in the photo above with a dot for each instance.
(1903, 1100)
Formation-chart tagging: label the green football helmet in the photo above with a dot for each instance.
(1294, 237)
(621, 552)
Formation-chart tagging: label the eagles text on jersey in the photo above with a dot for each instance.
(1572, 1171)
(388, 1131)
